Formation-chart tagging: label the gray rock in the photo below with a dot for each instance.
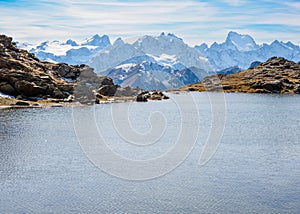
(108, 90)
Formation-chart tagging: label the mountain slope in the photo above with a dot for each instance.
(277, 75)
(151, 74)
(161, 62)
(168, 45)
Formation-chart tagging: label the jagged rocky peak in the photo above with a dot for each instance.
(241, 42)
(71, 42)
(170, 35)
(97, 40)
(119, 41)
(152, 62)
(203, 47)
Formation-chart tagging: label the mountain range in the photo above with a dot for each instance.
(164, 61)
(241, 50)
(70, 52)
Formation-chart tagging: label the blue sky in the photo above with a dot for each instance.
(196, 21)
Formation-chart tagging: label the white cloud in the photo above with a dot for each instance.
(294, 5)
(195, 21)
(235, 2)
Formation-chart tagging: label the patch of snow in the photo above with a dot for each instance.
(66, 80)
(203, 58)
(50, 60)
(61, 49)
(5, 95)
(125, 67)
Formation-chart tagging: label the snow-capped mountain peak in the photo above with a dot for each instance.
(70, 52)
(241, 50)
(155, 46)
(241, 42)
(96, 40)
(170, 35)
(71, 42)
(118, 41)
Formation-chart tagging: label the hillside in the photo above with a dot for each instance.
(23, 77)
(277, 75)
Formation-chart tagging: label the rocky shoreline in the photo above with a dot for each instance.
(277, 75)
(29, 82)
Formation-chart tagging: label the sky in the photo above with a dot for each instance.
(196, 21)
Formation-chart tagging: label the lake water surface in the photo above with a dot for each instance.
(256, 167)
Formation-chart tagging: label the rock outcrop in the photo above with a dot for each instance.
(25, 77)
(151, 95)
(277, 75)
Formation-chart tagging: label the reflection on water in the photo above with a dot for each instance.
(256, 167)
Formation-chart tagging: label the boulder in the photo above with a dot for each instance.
(87, 73)
(63, 69)
(59, 94)
(226, 87)
(108, 90)
(297, 90)
(106, 80)
(256, 85)
(6, 41)
(287, 81)
(274, 86)
(66, 87)
(28, 89)
(127, 92)
(150, 95)
(6, 88)
(22, 103)
(157, 95)
(142, 98)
